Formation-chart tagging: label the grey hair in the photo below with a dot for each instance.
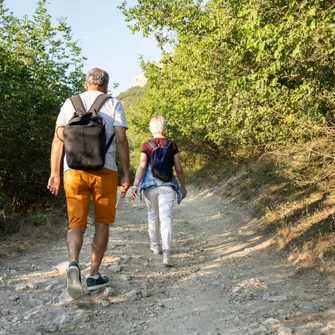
(97, 77)
(157, 125)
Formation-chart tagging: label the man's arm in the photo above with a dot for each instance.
(55, 160)
(123, 151)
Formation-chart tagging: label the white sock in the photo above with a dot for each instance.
(95, 277)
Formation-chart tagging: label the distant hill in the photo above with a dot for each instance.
(140, 81)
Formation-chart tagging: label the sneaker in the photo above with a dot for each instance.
(155, 249)
(166, 258)
(74, 286)
(95, 284)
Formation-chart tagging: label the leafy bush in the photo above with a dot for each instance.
(40, 66)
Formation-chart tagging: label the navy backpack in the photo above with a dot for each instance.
(161, 161)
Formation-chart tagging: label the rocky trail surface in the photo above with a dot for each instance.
(226, 279)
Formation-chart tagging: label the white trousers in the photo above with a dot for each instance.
(160, 200)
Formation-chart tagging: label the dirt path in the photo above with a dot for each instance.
(226, 280)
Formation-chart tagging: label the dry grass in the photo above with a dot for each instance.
(29, 232)
(301, 211)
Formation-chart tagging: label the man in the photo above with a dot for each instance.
(100, 184)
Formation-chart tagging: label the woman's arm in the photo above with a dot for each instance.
(180, 173)
(139, 174)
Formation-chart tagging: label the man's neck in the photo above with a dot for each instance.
(96, 88)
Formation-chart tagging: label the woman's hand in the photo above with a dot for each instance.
(184, 192)
(133, 193)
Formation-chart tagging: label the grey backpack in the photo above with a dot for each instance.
(85, 135)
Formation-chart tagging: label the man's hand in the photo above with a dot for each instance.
(54, 184)
(125, 183)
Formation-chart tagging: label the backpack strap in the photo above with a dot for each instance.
(152, 144)
(78, 104)
(168, 142)
(109, 142)
(98, 103)
(166, 145)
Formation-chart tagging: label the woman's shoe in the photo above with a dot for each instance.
(155, 249)
(166, 258)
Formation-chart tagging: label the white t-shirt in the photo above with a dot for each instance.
(112, 112)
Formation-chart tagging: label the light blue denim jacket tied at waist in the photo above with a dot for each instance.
(149, 180)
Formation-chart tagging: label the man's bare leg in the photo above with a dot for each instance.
(99, 245)
(74, 239)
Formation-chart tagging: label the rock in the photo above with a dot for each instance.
(137, 256)
(3, 277)
(275, 298)
(62, 267)
(105, 303)
(140, 80)
(131, 294)
(20, 287)
(125, 258)
(284, 331)
(145, 285)
(55, 282)
(236, 289)
(14, 298)
(49, 288)
(261, 330)
(270, 321)
(79, 312)
(32, 286)
(146, 293)
(108, 292)
(115, 268)
(116, 260)
(51, 328)
(33, 301)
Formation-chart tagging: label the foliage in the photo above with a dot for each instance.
(40, 66)
(131, 100)
(241, 73)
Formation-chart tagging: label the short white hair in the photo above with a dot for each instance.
(157, 125)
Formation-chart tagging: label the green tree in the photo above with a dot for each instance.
(40, 66)
(241, 72)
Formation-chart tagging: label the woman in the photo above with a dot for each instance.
(159, 195)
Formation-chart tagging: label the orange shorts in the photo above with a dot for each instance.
(80, 185)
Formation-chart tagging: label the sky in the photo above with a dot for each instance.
(103, 35)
